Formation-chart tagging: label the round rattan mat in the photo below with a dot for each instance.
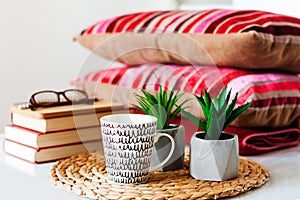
(85, 175)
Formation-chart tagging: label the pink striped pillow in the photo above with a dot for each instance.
(275, 97)
(240, 38)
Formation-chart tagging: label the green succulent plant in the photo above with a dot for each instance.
(219, 113)
(162, 105)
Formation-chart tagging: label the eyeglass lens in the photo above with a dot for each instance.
(46, 97)
(75, 95)
(52, 96)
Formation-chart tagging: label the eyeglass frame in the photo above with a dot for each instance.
(33, 104)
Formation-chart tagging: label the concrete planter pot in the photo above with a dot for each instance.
(163, 146)
(214, 160)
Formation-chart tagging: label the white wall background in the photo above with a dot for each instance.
(287, 7)
(36, 48)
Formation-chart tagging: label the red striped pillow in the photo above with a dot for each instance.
(205, 21)
(240, 38)
(275, 97)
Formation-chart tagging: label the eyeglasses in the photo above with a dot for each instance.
(50, 98)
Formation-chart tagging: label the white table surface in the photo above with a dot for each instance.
(23, 180)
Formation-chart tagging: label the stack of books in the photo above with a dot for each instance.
(49, 134)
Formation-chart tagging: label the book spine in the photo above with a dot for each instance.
(60, 123)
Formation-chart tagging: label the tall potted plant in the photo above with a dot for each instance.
(163, 105)
(214, 154)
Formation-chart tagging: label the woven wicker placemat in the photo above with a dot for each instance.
(85, 175)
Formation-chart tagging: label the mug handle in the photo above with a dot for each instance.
(157, 136)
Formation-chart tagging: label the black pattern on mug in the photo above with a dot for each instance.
(140, 129)
(130, 155)
(128, 141)
(128, 150)
(129, 164)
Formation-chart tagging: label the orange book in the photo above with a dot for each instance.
(41, 140)
(64, 117)
(42, 155)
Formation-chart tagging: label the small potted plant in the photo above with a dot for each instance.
(163, 105)
(214, 154)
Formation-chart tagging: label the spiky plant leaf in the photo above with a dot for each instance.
(148, 97)
(170, 102)
(159, 102)
(209, 123)
(142, 106)
(164, 97)
(200, 123)
(214, 128)
(219, 112)
(236, 113)
(223, 100)
(200, 100)
(161, 105)
(217, 104)
(173, 115)
(231, 106)
(147, 108)
(162, 116)
(227, 98)
(202, 104)
(208, 102)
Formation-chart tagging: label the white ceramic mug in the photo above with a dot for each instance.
(128, 141)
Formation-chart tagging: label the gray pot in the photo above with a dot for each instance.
(214, 160)
(163, 146)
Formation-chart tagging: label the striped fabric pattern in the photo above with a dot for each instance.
(275, 97)
(265, 90)
(215, 21)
